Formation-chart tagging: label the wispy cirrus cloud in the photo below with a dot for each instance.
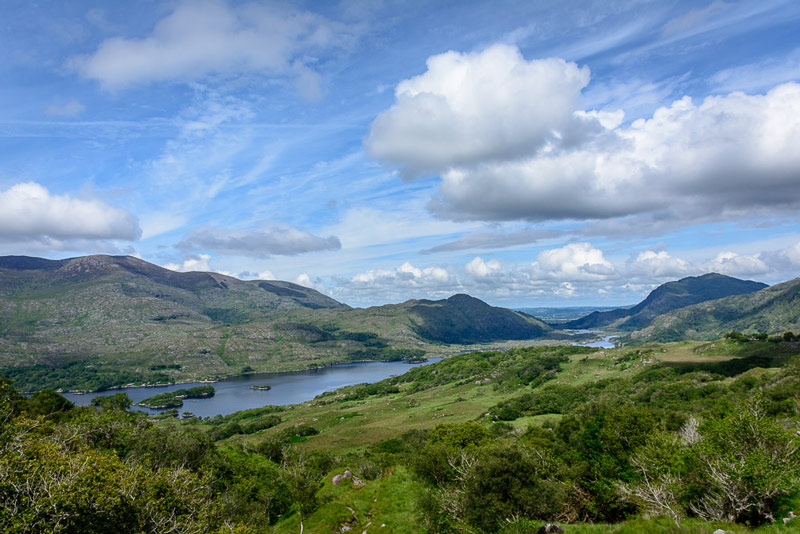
(72, 108)
(694, 19)
(759, 76)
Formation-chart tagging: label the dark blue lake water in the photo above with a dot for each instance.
(235, 394)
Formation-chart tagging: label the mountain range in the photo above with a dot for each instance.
(129, 320)
(665, 298)
(772, 310)
(100, 321)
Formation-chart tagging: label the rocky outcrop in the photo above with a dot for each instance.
(337, 479)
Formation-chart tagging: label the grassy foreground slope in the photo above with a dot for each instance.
(668, 297)
(545, 434)
(773, 310)
(484, 442)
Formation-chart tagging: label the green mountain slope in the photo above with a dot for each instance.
(155, 287)
(127, 319)
(668, 297)
(460, 319)
(100, 321)
(465, 319)
(772, 310)
(95, 305)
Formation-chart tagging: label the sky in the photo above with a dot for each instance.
(528, 153)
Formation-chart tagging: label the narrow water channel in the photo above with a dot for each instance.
(603, 343)
(236, 393)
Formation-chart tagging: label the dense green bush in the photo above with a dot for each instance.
(555, 399)
(509, 480)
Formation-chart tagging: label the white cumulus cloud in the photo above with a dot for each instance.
(470, 108)
(575, 261)
(658, 265)
(197, 262)
(28, 211)
(303, 279)
(208, 37)
(406, 281)
(792, 254)
(479, 268)
(725, 156)
(575, 271)
(266, 275)
(509, 142)
(734, 264)
(406, 274)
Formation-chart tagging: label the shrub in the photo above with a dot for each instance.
(746, 462)
(507, 480)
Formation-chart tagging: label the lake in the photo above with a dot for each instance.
(235, 394)
(604, 343)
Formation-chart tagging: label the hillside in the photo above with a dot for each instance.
(482, 442)
(465, 319)
(460, 319)
(665, 298)
(99, 321)
(191, 295)
(773, 310)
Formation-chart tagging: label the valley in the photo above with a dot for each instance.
(520, 423)
(101, 321)
(96, 322)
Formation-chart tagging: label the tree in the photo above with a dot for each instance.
(659, 464)
(47, 402)
(746, 460)
(117, 401)
(507, 481)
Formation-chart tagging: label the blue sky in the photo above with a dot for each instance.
(528, 153)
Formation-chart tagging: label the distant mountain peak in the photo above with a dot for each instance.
(667, 297)
(463, 298)
(97, 267)
(91, 264)
(774, 309)
(462, 318)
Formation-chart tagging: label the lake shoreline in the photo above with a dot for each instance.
(228, 377)
(289, 387)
